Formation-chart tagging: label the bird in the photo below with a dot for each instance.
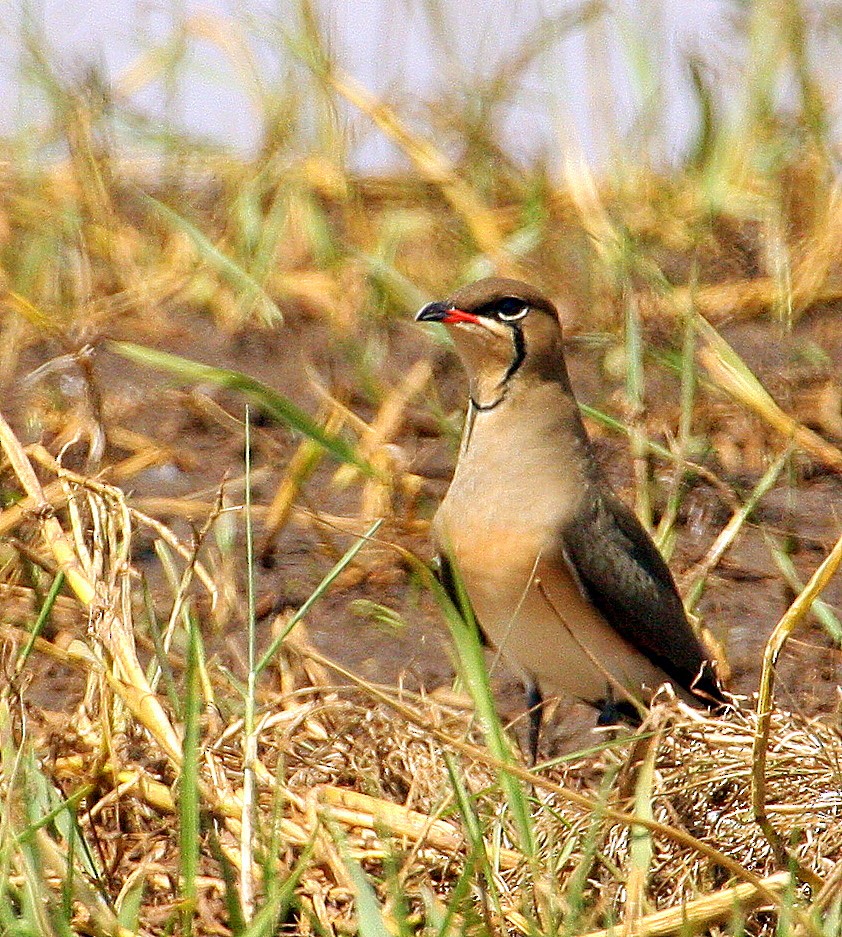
(560, 574)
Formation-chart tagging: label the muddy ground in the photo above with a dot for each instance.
(744, 597)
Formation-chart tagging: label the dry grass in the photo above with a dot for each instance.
(365, 778)
(345, 777)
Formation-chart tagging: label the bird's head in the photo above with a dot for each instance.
(504, 331)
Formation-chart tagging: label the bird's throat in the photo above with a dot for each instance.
(490, 372)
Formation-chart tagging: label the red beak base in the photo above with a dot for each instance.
(457, 315)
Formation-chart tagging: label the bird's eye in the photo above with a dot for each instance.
(511, 309)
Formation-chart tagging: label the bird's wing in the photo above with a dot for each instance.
(625, 577)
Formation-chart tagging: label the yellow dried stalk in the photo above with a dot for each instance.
(724, 302)
(114, 633)
(362, 810)
(226, 34)
(816, 255)
(434, 166)
(198, 510)
(353, 810)
(159, 796)
(377, 493)
(376, 498)
(731, 374)
(303, 463)
(34, 315)
(54, 492)
(700, 756)
(41, 508)
(184, 552)
(115, 495)
(584, 193)
(387, 423)
(641, 845)
(793, 616)
(701, 913)
(830, 890)
(315, 289)
(326, 845)
(133, 441)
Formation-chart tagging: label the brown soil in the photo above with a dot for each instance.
(744, 597)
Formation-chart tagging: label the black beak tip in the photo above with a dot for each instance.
(432, 312)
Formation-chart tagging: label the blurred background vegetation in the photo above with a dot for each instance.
(293, 145)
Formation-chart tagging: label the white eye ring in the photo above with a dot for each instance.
(513, 316)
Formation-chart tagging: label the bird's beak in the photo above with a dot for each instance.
(440, 312)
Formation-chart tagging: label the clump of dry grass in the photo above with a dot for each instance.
(396, 784)
(334, 768)
(704, 771)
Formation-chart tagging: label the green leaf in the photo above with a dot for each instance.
(369, 915)
(270, 401)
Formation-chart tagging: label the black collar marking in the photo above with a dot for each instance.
(485, 407)
(520, 354)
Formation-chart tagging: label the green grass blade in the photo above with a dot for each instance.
(230, 894)
(43, 615)
(268, 400)
(249, 733)
(65, 806)
(577, 881)
(319, 591)
(618, 426)
(159, 662)
(665, 535)
(274, 909)
(189, 799)
(641, 845)
(369, 916)
(635, 393)
(822, 611)
(729, 533)
(471, 659)
(477, 853)
(128, 910)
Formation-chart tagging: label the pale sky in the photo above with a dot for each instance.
(621, 82)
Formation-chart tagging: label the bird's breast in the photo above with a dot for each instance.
(516, 487)
(527, 473)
